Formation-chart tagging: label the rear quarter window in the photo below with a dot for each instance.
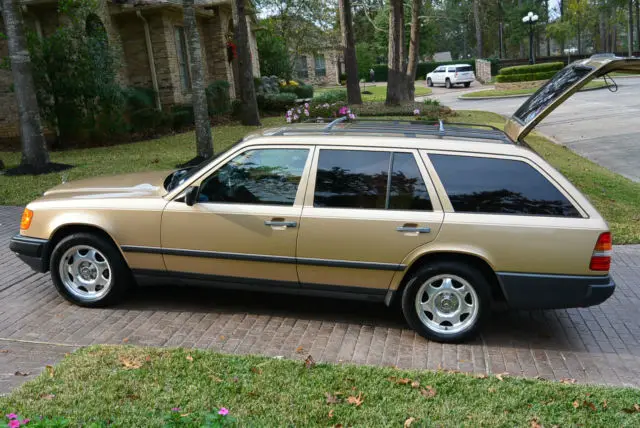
(499, 186)
(464, 69)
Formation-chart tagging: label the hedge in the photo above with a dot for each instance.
(527, 77)
(332, 96)
(529, 69)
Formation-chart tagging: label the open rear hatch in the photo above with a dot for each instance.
(565, 83)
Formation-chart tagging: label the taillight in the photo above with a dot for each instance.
(27, 216)
(601, 259)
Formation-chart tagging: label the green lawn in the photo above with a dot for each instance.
(617, 198)
(379, 93)
(129, 386)
(512, 92)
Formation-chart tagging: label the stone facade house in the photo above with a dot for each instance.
(321, 68)
(150, 38)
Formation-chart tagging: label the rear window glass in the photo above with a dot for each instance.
(464, 68)
(499, 186)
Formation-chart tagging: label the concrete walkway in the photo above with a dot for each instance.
(597, 345)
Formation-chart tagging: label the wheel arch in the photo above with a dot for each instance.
(65, 230)
(475, 259)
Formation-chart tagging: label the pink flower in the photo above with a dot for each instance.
(296, 117)
(175, 409)
(289, 113)
(343, 110)
(288, 119)
(223, 411)
(299, 111)
(352, 116)
(306, 105)
(416, 112)
(306, 112)
(25, 421)
(12, 416)
(14, 423)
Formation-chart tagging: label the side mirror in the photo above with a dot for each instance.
(191, 196)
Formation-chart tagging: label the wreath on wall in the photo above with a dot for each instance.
(232, 51)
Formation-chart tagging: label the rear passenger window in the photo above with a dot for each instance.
(360, 179)
(499, 186)
(464, 69)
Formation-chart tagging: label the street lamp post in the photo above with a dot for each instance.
(530, 18)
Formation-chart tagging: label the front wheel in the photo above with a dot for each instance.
(447, 84)
(446, 301)
(429, 82)
(88, 270)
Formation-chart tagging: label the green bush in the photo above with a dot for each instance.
(276, 103)
(427, 111)
(528, 77)
(304, 91)
(137, 98)
(218, 99)
(530, 69)
(182, 116)
(332, 96)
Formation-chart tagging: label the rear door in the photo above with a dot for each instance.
(565, 83)
(365, 209)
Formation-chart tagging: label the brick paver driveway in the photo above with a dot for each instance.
(596, 345)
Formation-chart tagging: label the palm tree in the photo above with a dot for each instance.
(34, 147)
(204, 140)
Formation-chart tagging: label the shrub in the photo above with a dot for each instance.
(276, 103)
(528, 77)
(182, 116)
(426, 111)
(137, 98)
(267, 85)
(218, 99)
(332, 96)
(304, 91)
(530, 69)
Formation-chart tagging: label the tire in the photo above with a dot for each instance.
(429, 82)
(102, 279)
(465, 320)
(447, 84)
(466, 85)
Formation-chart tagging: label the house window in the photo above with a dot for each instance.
(302, 70)
(183, 58)
(321, 66)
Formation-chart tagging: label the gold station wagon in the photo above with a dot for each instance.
(444, 220)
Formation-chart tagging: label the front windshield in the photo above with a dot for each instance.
(557, 86)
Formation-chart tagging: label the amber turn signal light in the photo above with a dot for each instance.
(27, 216)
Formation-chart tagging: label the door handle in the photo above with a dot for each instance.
(411, 229)
(278, 223)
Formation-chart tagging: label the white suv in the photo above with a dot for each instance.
(449, 75)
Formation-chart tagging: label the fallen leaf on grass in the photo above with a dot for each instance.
(534, 423)
(47, 396)
(129, 364)
(428, 391)
(50, 370)
(492, 390)
(589, 404)
(400, 381)
(634, 409)
(408, 422)
(575, 404)
(332, 399)
(4, 351)
(415, 384)
(189, 358)
(256, 370)
(215, 378)
(330, 413)
(481, 376)
(222, 337)
(309, 363)
(337, 426)
(299, 350)
(567, 381)
(499, 376)
(19, 373)
(357, 400)
(125, 340)
(605, 404)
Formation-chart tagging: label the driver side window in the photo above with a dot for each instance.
(263, 176)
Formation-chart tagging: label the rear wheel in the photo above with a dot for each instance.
(446, 301)
(429, 82)
(88, 270)
(447, 84)
(467, 84)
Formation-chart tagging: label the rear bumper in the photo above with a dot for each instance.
(532, 291)
(32, 251)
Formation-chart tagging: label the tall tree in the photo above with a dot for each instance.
(478, 24)
(204, 140)
(34, 147)
(249, 106)
(414, 49)
(349, 49)
(396, 90)
(630, 28)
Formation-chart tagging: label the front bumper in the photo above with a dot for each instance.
(532, 291)
(32, 251)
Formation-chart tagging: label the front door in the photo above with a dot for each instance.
(245, 221)
(365, 210)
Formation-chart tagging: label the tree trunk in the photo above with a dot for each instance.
(414, 50)
(34, 146)
(249, 107)
(638, 23)
(349, 52)
(603, 33)
(395, 79)
(477, 22)
(630, 31)
(204, 140)
(561, 19)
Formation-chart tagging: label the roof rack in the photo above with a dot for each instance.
(406, 127)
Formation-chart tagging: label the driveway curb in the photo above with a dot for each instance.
(463, 98)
